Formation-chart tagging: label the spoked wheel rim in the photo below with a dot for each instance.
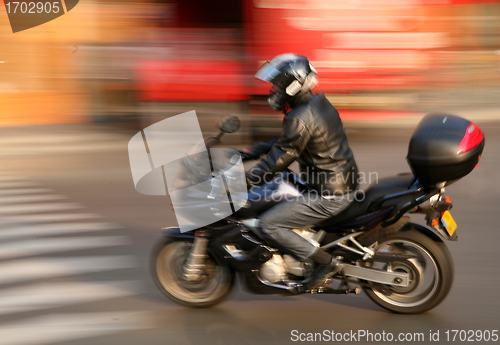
(170, 272)
(423, 271)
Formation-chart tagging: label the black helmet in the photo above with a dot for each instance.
(292, 75)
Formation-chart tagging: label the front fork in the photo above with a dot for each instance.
(195, 261)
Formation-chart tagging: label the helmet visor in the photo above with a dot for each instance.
(267, 72)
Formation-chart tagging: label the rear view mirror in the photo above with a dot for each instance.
(229, 124)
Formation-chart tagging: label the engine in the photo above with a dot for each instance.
(274, 270)
(279, 266)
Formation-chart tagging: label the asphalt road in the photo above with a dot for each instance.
(76, 239)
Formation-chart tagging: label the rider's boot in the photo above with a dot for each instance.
(326, 268)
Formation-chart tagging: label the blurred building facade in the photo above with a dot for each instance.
(141, 61)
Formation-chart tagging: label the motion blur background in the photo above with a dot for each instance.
(135, 62)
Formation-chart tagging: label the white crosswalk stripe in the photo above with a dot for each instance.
(29, 198)
(45, 218)
(34, 226)
(23, 191)
(17, 183)
(52, 229)
(42, 268)
(53, 328)
(49, 295)
(37, 208)
(11, 250)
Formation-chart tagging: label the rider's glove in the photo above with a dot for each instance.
(247, 155)
(258, 149)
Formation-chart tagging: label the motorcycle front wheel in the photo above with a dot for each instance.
(431, 272)
(213, 285)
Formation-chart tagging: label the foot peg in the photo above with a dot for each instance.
(295, 287)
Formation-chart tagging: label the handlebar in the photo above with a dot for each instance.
(213, 141)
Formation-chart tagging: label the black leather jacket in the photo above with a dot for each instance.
(313, 135)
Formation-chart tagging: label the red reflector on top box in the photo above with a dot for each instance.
(473, 137)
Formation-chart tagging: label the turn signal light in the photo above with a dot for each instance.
(199, 233)
(435, 222)
(447, 200)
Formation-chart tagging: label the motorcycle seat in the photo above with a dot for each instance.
(375, 191)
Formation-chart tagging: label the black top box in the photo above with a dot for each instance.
(444, 148)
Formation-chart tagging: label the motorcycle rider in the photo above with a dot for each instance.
(313, 135)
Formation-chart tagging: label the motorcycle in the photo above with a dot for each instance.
(402, 266)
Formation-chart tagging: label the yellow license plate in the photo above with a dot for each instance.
(449, 223)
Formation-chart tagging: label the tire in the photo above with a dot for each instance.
(433, 266)
(215, 284)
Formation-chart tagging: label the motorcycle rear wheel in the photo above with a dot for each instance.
(431, 273)
(213, 286)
